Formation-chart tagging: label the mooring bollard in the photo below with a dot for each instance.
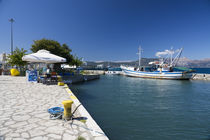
(67, 109)
(61, 83)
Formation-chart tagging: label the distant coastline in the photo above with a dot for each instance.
(183, 62)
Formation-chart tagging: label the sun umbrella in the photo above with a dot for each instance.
(43, 56)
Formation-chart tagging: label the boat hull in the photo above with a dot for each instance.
(159, 75)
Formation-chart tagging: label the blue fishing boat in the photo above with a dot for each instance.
(162, 69)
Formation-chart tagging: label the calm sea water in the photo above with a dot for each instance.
(130, 108)
(202, 70)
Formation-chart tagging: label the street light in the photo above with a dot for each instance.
(11, 20)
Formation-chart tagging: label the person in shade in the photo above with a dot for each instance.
(48, 71)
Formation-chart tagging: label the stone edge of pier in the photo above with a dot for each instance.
(201, 76)
(94, 128)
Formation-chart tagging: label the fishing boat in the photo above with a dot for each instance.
(162, 69)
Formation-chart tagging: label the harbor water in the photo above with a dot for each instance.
(202, 70)
(128, 108)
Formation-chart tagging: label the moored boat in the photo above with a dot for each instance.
(162, 69)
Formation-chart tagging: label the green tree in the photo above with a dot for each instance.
(77, 61)
(54, 47)
(16, 58)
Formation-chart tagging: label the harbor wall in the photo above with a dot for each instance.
(79, 78)
(201, 76)
(101, 72)
(93, 127)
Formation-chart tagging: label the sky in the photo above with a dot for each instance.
(110, 30)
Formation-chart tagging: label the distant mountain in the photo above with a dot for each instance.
(203, 63)
(183, 62)
(105, 64)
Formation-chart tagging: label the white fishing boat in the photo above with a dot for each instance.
(162, 69)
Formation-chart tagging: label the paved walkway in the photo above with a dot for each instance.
(23, 112)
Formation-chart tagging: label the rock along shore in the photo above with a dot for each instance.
(200, 76)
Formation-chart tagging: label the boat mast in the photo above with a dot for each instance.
(139, 53)
(171, 56)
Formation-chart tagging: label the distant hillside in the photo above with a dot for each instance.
(105, 64)
(203, 63)
(184, 62)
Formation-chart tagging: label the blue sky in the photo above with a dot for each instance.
(110, 29)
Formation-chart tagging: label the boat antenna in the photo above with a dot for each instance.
(171, 61)
(169, 57)
(176, 59)
(140, 50)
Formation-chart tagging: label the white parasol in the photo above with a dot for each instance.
(43, 56)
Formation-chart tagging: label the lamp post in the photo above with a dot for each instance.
(11, 20)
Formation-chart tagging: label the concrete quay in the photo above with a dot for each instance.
(200, 76)
(101, 72)
(79, 78)
(23, 113)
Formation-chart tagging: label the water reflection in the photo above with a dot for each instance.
(135, 108)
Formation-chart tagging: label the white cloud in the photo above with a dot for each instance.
(166, 52)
